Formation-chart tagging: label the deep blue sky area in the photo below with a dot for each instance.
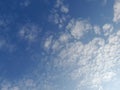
(59, 44)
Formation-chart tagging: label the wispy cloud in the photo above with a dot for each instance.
(87, 64)
(25, 3)
(5, 45)
(29, 32)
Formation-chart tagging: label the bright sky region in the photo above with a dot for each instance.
(59, 44)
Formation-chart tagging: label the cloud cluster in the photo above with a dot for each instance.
(59, 13)
(107, 29)
(78, 28)
(93, 63)
(26, 84)
(87, 64)
(116, 8)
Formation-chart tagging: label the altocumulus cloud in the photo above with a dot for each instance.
(71, 61)
(93, 62)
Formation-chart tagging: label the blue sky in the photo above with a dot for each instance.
(59, 44)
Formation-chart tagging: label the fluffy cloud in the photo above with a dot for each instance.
(93, 63)
(86, 64)
(78, 28)
(48, 42)
(97, 29)
(107, 29)
(64, 9)
(116, 11)
(77, 63)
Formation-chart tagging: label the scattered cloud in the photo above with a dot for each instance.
(92, 63)
(78, 28)
(59, 13)
(30, 32)
(88, 64)
(64, 38)
(107, 29)
(116, 8)
(97, 29)
(48, 43)
(64, 9)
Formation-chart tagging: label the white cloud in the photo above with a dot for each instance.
(58, 3)
(90, 64)
(59, 13)
(107, 29)
(78, 28)
(116, 8)
(97, 29)
(64, 9)
(28, 84)
(48, 42)
(64, 38)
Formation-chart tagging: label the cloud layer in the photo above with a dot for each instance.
(84, 56)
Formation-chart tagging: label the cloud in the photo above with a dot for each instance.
(97, 29)
(78, 28)
(86, 64)
(59, 13)
(116, 8)
(107, 29)
(29, 32)
(64, 38)
(48, 42)
(71, 63)
(27, 84)
(90, 64)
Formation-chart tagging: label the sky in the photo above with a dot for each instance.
(59, 44)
